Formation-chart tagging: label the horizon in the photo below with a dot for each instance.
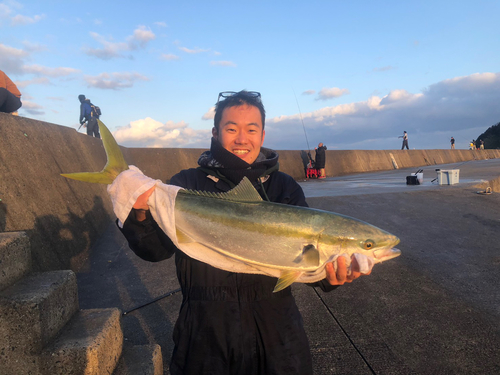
(355, 75)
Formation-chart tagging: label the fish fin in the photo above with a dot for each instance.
(287, 278)
(243, 192)
(115, 161)
(309, 256)
(183, 237)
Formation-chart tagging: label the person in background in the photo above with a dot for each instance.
(88, 115)
(233, 323)
(320, 160)
(10, 96)
(452, 141)
(481, 144)
(405, 140)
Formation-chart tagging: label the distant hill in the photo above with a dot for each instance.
(491, 137)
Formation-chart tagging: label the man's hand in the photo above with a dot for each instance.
(141, 205)
(340, 277)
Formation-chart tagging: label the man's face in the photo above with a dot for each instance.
(240, 131)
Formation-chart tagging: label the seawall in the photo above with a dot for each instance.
(64, 218)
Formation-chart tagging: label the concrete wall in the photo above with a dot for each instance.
(64, 218)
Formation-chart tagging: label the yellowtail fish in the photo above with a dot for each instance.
(239, 232)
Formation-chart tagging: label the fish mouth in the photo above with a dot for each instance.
(386, 254)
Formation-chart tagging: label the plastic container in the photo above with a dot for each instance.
(448, 177)
(420, 177)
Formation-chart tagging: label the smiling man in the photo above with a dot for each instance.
(232, 323)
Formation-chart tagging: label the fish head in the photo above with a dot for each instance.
(352, 236)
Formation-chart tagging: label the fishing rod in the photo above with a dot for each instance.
(302, 120)
(152, 301)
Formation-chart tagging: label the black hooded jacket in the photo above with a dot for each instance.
(230, 323)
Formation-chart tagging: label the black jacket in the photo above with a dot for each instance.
(320, 157)
(230, 323)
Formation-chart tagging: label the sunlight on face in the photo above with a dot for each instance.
(240, 132)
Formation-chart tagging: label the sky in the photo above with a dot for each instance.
(352, 75)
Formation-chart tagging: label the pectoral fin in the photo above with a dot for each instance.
(287, 278)
(309, 256)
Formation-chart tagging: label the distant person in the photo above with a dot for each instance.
(452, 141)
(10, 96)
(320, 160)
(405, 140)
(89, 115)
(471, 145)
(481, 144)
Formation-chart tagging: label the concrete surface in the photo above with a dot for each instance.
(433, 310)
(140, 360)
(90, 344)
(34, 310)
(15, 258)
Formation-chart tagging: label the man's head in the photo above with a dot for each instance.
(239, 124)
(320, 144)
(81, 98)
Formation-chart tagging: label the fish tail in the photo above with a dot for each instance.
(115, 165)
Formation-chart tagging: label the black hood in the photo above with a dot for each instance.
(235, 168)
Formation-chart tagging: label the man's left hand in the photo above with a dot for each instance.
(340, 277)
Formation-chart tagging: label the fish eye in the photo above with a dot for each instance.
(368, 245)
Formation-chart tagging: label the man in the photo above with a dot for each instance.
(452, 141)
(10, 96)
(405, 140)
(232, 323)
(320, 160)
(87, 114)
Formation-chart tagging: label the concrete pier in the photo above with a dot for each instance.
(435, 309)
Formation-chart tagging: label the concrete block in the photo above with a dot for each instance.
(90, 344)
(140, 360)
(15, 257)
(33, 310)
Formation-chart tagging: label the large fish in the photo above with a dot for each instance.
(239, 232)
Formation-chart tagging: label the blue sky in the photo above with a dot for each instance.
(361, 72)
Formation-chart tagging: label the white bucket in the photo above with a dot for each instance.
(420, 177)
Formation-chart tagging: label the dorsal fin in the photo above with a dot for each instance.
(243, 192)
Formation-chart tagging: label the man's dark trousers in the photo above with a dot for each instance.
(93, 128)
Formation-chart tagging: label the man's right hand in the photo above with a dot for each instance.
(141, 205)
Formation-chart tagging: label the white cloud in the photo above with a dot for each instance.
(328, 93)
(51, 72)
(193, 51)
(463, 107)
(309, 92)
(5, 11)
(35, 81)
(12, 59)
(25, 20)
(32, 108)
(210, 114)
(142, 35)
(161, 24)
(384, 68)
(169, 57)
(223, 63)
(109, 50)
(114, 81)
(152, 133)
